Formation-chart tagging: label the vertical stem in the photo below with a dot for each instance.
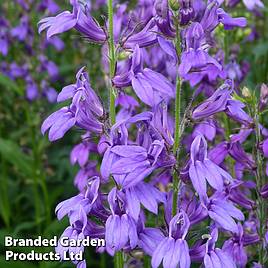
(177, 123)
(261, 204)
(112, 59)
(118, 259)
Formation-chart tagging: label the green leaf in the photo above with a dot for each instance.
(12, 153)
(260, 50)
(9, 84)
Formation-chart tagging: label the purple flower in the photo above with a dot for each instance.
(80, 19)
(59, 123)
(162, 18)
(50, 5)
(216, 257)
(145, 194)
(235, 248)
(84, 111)
(121, 229)
(81, 151)
(173, 250)
(151, 87)
(23, 30)
(202, 169)
(215, 15)
(195, 57)
(264, 191)
(215, 104)
(149, 239)
(82, 202)
(187, 12)
(253, 4)
(87, 171)
(49, 66)
(144, 38)
(31, 89)
(4, 43)
(237, 152)
(222, 212)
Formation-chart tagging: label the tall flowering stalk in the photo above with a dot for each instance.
(209, 215)
(177, 133)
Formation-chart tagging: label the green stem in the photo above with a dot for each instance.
(118, 259)
(112, 59)
(261, 204)
(34, 174)
(177, 134)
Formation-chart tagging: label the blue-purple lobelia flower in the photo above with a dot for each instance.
(85, 201)
(195, 57)
(223, 212)
(31, 89)
(85, 111)
(149, 239)
(4, 38)
(214, 15)
(250, 4)
(80, 19)
(23, 30)
(187, 12)
(162, 18)
(222, 101)
(151, 87)
(132, 162)
(202, 169)
(173, 249)
(50, 5)
(145, 194)
(216, 257)
(81, 152)
(121, 228)
(235, 246)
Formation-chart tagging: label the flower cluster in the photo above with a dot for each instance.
(192, 173)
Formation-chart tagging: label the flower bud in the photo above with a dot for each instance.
(174, 4)
(264, 191)
(186, 12)
(246, 92)
(264, 96)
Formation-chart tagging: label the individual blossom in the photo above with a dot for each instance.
(223, 212)
(149, 239)
(222, 101)
(145, 194)
(87, 171)
(80, 152)
(151, 87)
(162, 18)
(264, 191)
(235, 246)
(84, 201)
(195, 57)
(23, 30)
(214, 15)
(216, 257)
(173, 249)
(84, 111)
(121, 228)
(80, 19)
(4, 38)
(237, 152)
(202, 169)
(186, 11)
